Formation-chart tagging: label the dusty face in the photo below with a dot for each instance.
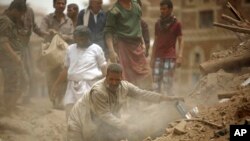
(113, 80)
(16, 15)
(95, 5)
(165, 11)
(81, 41)
(60, 6)
(71, 12)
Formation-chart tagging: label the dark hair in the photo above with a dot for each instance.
(166, 2)
(54, 2)
(21, 0)
(114, 67)
(75, 6)
(19, 5)
(82, 31)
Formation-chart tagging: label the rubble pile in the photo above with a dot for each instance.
(222, 101)
(242, 48)
(222, 95)
(211, 123)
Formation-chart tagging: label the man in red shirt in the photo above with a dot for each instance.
(165, 56)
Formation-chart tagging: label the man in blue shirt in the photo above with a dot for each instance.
(94, 18)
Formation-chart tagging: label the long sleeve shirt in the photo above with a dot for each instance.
(96, 26)
(124, 23)
(100, 108)
(64, 27)
(106, 105)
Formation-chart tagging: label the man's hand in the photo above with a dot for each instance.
(178, 62)
(18, 60)
(54, 91)
(52, 32)
(113, 57)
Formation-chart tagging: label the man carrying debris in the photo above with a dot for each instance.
(10, 53)
(84, 65)
(57, 23)
(97, 115)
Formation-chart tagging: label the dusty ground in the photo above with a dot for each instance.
(33, 122)
(234, 111)
(39, 122)
(215, 116)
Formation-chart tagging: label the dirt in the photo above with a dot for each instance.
(215, 115)
(232, 51)
(231, 112)
(36, 121)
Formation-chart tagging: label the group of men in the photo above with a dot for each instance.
(95, 91)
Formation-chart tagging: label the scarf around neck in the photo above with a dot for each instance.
(165, 22)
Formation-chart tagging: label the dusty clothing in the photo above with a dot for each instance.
(98, 112)
(96, 26)
(11, 71)
(64, 27)
(124, 23)
(136, 67)
(145, 35)
(84, 69)
(167, 30)
(166, 39)
(27, 25)
(163, 75)
(25, 28)
(9, 32)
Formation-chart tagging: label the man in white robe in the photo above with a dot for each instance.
(84, 65)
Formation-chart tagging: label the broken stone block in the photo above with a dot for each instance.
(180, 128)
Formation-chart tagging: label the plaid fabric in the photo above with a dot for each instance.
(163, 75)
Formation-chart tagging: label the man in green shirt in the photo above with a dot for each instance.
(124, 40)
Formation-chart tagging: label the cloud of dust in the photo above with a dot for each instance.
(149, 119)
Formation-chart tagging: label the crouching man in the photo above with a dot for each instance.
(96, 116)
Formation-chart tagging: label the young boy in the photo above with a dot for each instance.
(165, 57)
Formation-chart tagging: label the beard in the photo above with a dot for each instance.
(83, 45)
(112, 88)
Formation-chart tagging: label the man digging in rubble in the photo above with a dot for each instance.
(97, 115)
(84, 65)
(10, 53)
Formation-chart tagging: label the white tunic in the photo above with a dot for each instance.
(84, 69)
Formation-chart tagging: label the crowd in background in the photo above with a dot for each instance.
(95, 38)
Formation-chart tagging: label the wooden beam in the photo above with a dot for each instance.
(233, 28)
